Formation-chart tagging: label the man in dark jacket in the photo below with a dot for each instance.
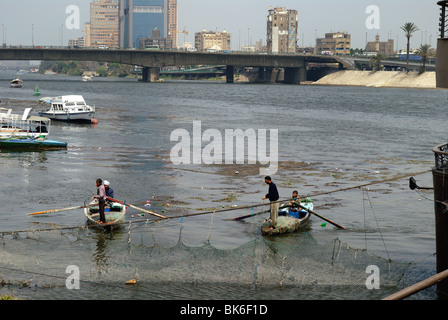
(273, 196)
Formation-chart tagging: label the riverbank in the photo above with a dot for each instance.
(380, 79)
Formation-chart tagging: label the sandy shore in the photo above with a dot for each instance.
(380, 79)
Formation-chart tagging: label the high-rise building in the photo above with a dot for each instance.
(172, 22)
(212, 41)
(138, 19)
(104, 24)
(282, 30)
(87, 34)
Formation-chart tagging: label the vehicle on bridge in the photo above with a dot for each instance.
(412, 57)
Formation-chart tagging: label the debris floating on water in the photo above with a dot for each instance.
(132, 281)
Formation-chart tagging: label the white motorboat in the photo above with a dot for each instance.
(69, 108)
(25, 126)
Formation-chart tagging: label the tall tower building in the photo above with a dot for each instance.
(282, 30)
(138, 19)
(172, 22)
(104, 24)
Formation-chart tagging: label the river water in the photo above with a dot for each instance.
(330, 138)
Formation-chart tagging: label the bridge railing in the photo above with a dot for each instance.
(441, 156)
(443, 23)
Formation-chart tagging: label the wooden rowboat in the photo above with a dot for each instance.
(289, 220)
(113, 211)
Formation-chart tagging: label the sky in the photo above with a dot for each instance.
(44, 21)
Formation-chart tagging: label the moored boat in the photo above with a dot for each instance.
(290, 219)
(69, 108)
(31, 144)
(46, 99)
(25, 126)
(113, 211)
(16, 83)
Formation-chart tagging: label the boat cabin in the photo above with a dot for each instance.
(72, 103)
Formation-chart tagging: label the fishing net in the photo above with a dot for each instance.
(168, 252)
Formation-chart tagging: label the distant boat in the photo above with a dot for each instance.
(87, 78)
(69, 108)
(46, 99)
(16, 83)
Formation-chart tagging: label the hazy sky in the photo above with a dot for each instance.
(244, 19)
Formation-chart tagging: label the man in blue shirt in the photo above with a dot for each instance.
(109, 190)
(273, 196)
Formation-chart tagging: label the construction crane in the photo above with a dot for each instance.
(185, 32)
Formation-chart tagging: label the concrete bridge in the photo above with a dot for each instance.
(152, 60)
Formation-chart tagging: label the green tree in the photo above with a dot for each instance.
(425, 53)
(409, 28)
(101, 71)
(375, 61)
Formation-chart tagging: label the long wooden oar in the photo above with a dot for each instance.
(323, 218)
(248, 215)
(137, 208)
(58, 210)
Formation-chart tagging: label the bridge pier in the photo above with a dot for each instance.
(150, 74)
(295, 75)
(442, 63)
(230, 74)
(265, 74)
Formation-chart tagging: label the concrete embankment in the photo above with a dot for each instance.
(380, 79)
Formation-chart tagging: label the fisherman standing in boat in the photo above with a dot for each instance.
(273, 196)
(101, 199)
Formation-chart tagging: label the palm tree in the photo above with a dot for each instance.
(376, 61)
(409, 28)
(424, 52)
